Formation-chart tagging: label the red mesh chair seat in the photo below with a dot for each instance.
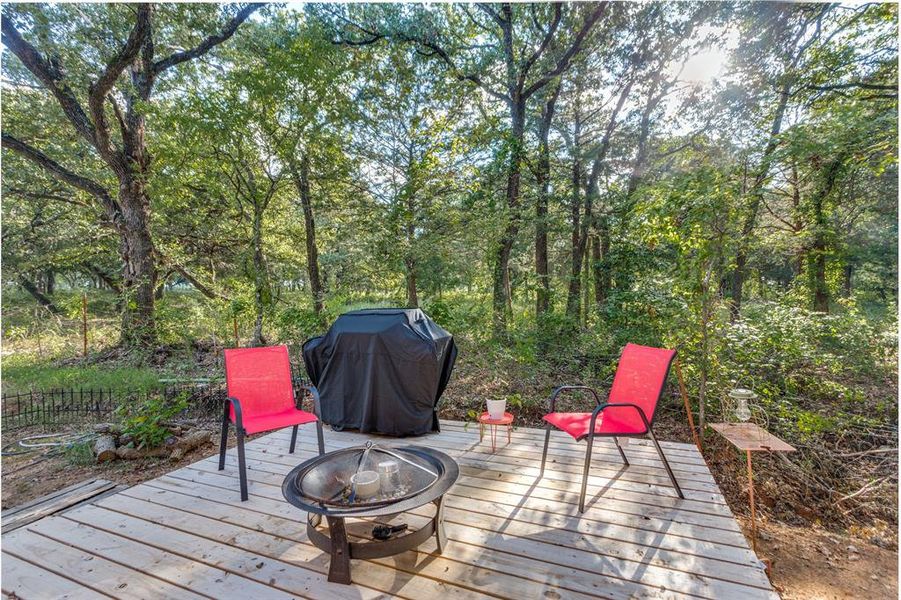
(261, 398)
(612, 421)
(629, 410)
(278, 420)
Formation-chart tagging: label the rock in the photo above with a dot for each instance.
(853, 549)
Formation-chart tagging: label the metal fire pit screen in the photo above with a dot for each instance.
(369, 482)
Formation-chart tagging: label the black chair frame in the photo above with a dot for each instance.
(599, 408)
(240, 433)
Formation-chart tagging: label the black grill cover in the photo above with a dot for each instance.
(381, 370)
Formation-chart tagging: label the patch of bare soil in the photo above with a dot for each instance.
(810, 563)
(33, 475)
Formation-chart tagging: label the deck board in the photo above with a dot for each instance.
(511, 535)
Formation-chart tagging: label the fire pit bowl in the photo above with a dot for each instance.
(369, 481)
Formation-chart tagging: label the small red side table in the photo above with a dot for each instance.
(485, 419)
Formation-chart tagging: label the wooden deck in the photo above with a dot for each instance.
(187, 535)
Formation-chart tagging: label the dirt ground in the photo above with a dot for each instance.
(807, 562)
(36, 474)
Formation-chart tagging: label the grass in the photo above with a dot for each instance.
(21, 373)
(80, 454)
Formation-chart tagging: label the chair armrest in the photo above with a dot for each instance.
(317, 406)
(236, 404)
(552, 402)
(606, 405)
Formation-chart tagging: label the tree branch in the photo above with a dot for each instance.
(100, 88)
(111, 207)
(209, 42)
(575, 48)
(548, 36)
(50, 73)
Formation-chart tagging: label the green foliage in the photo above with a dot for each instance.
(22, 372)
(144, 420)
(80, 454)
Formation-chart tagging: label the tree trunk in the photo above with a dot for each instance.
(600, 242)
(542, 177)
(575, 273)
(501, 282)
(817, 254)
(409, 256)
(740, 272)
(847, 276)
(43, 300)
(302, 183)
(259, 276)
(140, 272)
(412, 295)
(49, 282)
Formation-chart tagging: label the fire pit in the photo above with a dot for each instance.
(370, 481)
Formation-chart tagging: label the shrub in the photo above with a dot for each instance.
(145, 420)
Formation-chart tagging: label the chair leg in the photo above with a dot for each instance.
(585, 473)
(547, 439)
(620, 448)
(669, 471)
(223, 443)
(319, 438)
(293, 439)
(242, 467)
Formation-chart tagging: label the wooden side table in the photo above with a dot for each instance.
(750, 437)
(485, 419)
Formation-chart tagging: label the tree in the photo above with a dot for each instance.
(89, 102)
(518, 42)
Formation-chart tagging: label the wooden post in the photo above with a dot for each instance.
(684, 392)
(235, 324)
(84, 324)
(753, 506)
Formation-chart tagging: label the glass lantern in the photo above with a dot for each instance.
(742, 398)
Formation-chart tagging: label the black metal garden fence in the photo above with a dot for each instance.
(63, 406)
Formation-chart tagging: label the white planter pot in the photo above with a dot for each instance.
(496, 408)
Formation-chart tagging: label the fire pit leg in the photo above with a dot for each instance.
(339, 566)
(440, 536)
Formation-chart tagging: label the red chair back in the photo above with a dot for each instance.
(640, 377)
(260, 378)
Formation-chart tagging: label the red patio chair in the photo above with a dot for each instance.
(628, 412)
(261, 398)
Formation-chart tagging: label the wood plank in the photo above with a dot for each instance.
(631, 515)
(53, 494)
(750, 436)
(470, 563)
(535, 433)
(198, 579)
(31, 582)
(622, 542)
(604, 450)
(297, 569)
(608, 460)
(622, 550)
(566, 497)
(511, 533)
(54, 503)
(102, 575)
(641, 448)
(619, 477)
(593, 561)
(275, 535)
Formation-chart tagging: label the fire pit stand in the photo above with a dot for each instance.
(314, 485)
